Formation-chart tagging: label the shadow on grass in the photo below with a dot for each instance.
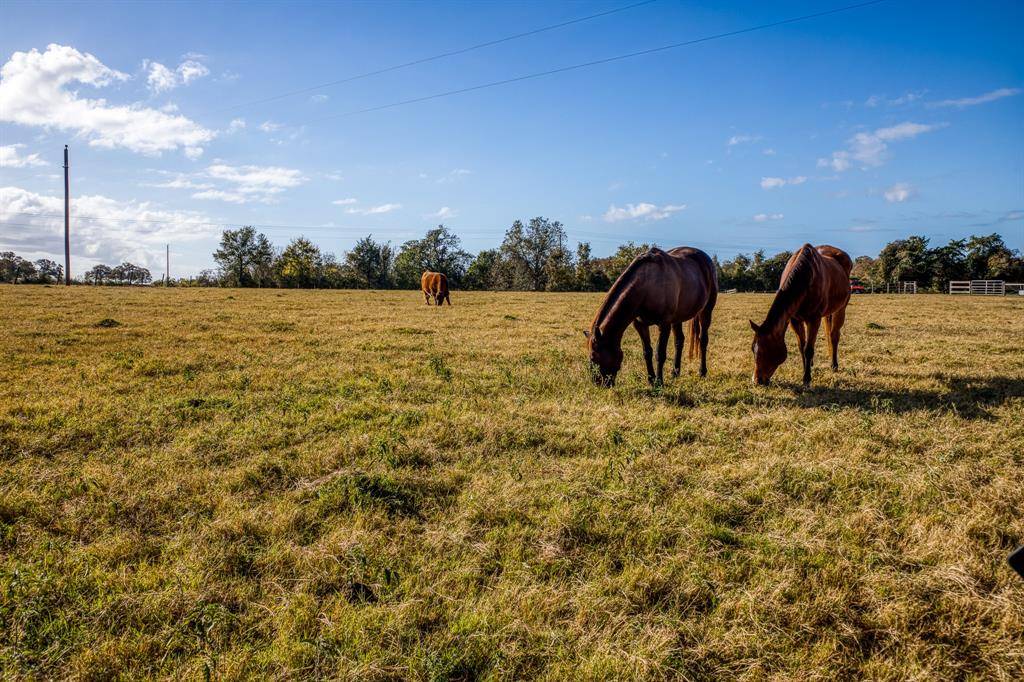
(970, 397)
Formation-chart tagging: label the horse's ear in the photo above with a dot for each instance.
(754, 326)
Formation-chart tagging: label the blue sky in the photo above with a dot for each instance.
(905, 117)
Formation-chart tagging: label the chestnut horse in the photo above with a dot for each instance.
(435, 284)
(814, 286)
(658, 288)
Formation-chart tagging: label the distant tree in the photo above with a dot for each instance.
(620, 260)
(129, 274)
(483, 271)
(588, 276)
(947, 263)
(48, 272)
(559, 274)
(14, 269)
(736, 274)
(769, 272)
(245, 258)
(99, 274)
(371, 264)
(300, 265)
(526, 251)
(906, 260)
(864, 269)
(979, 251)
(439, 251)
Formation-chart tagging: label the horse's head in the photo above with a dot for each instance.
(769, 352)
(605, 359)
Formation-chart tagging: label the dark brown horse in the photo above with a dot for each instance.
(658, 288)
(435, 284)
(814, 286)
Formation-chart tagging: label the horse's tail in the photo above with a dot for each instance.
(828, 327)
(693, 350)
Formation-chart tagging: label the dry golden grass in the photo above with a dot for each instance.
(354, 485)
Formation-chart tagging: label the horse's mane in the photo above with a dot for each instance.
(797, 281)
(621, 284)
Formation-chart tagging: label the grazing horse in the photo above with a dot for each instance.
(815, 285)
(435, 284)
(663, 288)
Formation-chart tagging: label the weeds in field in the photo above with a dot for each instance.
(269, 484)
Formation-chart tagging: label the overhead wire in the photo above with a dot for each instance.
(424, 60)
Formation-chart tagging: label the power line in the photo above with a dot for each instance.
(424, 60)
(598, 62)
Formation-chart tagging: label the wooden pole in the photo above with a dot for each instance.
(67, 222)
(167, 271)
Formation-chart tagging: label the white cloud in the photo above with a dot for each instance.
(345, 202)
(764, 217)
(870, 149)
(904, 99)
(161, 79)
(237, 184)
(453, 175)
(10, 158)
(443, 213)
(236, 125)
(768, 152)
(740, 139)
(251, 183)
(642, 211)
(980, 99)
(899, 193)
(374, 210)
(105, 230)
(775, 183)
(33, 93)
(270, 126)
(318, 99)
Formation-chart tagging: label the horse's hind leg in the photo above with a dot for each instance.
(663, 333)
(812, 334)
(645, 339)
(836, 321)
(426, 297)
(705, 325)
(677, 331)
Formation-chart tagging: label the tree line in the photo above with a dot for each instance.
(16, 270)
(533, 256)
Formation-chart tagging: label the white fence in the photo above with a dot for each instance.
(986, 287)
(901, 288)
(979, 287)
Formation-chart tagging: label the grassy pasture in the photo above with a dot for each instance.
(354, 485)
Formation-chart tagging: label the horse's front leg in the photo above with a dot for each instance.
(645, 338)
(811, 326)
(663, 333)
(801, 339)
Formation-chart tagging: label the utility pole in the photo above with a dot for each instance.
(167, 270)
(67, 222)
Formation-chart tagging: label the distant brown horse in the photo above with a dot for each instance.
(658, 288)
(815, 285)
(435, 284)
